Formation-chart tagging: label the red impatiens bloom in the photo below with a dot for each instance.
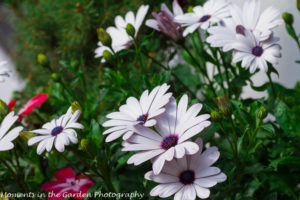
(67, 184)
(32, 103)
(29, 106)
(11, 104)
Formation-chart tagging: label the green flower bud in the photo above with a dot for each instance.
(84, 143)
(4, 110)
(42, 59)
(190, 9)
(54, 77)
(104, 37)
(107, 56)
(224, 105)
(216, 116)
(298, 4)
(288, 18)
(26, 135)
(76, 106)
(262, 112)
(130, 30)
(74, 63)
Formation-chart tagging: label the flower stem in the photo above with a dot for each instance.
(175, 76)
(272, 84)
(13, 174)
(84, 163)
(227, 137)
(74, 166)
(202, 69)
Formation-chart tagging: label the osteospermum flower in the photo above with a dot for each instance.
(4, 72)
(171, 139)
(250, 18)
(120, 39)
(67, 185)
(59, 132)
(213, 11)
(164, 21)
(189, 176)
(136, 112)
(6, 136)
(256, 53)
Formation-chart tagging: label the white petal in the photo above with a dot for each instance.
(202, 193)
(161, 178)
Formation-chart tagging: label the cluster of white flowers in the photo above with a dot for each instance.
(161, 130)
(59, 132)
(249, 34)
(245, 31)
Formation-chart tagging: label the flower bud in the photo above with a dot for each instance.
(76, 106)
(54, 77)
(104, 37)
(42, 59)
(216, 116)
(26, 135)
(190, 9)
(84, 143)
(107, 56)
(4, 110)
(288, 18)
(74, 64)
(224, 105)
(262, 112)
(130, 30)
(298, 4)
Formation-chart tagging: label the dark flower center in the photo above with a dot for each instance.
(257, 51)
(57, 130)
(239, 29)
(73, 183)
(143, 118)
(169, 141)
(187, 177)
(204, 18)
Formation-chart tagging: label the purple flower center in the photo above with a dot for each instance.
(239, 29)
(169, 141)
(187, 177)
(204, 18)
(143, 118)
(57, 130)
(257, 51)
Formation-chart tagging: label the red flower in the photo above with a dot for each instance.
(11, 104)
(32, 103)
(67, 184)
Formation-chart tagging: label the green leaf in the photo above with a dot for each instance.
(95, 134)
(185, 74)
(287, 160)
(291, 31)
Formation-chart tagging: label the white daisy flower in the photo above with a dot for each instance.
(6, 136)
(174, 128)
(164, 21)
(4, 72)
(189, 176)
(135, 112)
(256, 53)
(59, 132)
(120, 39)
(213, 11)
(250, 18)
